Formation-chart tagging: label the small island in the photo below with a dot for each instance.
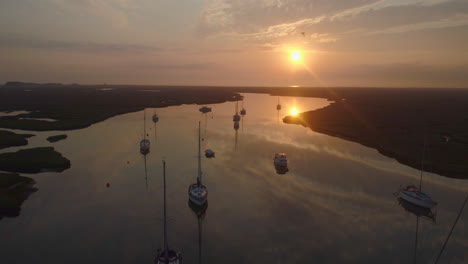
(11, 139)
(34, 160)
(56, 138)
(14, 190)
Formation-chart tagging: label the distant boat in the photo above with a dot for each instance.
(155, 118)
(209, 153)
(243, 112)
(198, 193)
(236, 117)
(205, 109)
(236, 125)
(144, 143)
(281, 163)
(278, 107)
(413, 194)
(167, 255)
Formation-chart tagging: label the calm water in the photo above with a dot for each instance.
(335, 205)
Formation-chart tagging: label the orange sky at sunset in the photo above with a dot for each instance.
(403, 43)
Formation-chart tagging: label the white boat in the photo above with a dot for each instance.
(167, 255)
(243, 112)
(414, 196)
(236, 117)
(144, 146)
(144, 143)
(209, 153)
(205, 109)
(280, 160)
(198, 193)
(155, 118)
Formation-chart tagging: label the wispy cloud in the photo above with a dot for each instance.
(113, 11)
(322, 22)
(8, 40)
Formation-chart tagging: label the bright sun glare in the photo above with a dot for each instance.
(294, 111)
(296, 55)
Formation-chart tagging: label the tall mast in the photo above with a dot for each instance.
(146, 172)
(199, 155)
(166, 247)
(422, 163)
(144, 124)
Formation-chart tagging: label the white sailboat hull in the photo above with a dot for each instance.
(198, 194)
(418, 198)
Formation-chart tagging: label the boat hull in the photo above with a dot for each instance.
(198, 194)
(418, 198)
(172, 257)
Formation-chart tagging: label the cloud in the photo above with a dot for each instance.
(327, 21)
(8, 40)
(114, 11)
(255, 17)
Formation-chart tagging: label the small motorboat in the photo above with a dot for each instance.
(280, 160)
(236, 125)
(144, 146)
(205, 109)
(243, 112)
(155, 118)
(412, 195)
(209, 153)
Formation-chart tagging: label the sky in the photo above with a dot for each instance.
(378, 43)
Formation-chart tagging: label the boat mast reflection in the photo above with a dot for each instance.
(167, 255)
(200, 212)
(419, 212)
(278, 108)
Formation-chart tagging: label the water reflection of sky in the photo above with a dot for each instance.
(335, 205)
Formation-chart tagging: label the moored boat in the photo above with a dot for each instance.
(205, 109)
(198, 193)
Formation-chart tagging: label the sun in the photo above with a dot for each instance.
(296, 55)
(294, 111)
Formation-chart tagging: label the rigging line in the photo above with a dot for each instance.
(422, 163)
(416, 240)
(448, 237)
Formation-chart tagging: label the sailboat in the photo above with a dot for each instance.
(167, 255)
(243, 112)
(414, 195)
(278, 106)
(155, 117)
(197, 192)
(236, 117)
(144, 143)
(205, 109)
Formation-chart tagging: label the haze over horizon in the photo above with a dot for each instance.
(390, 43)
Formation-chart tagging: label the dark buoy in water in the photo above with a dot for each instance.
(128, 162)
(107, 185)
